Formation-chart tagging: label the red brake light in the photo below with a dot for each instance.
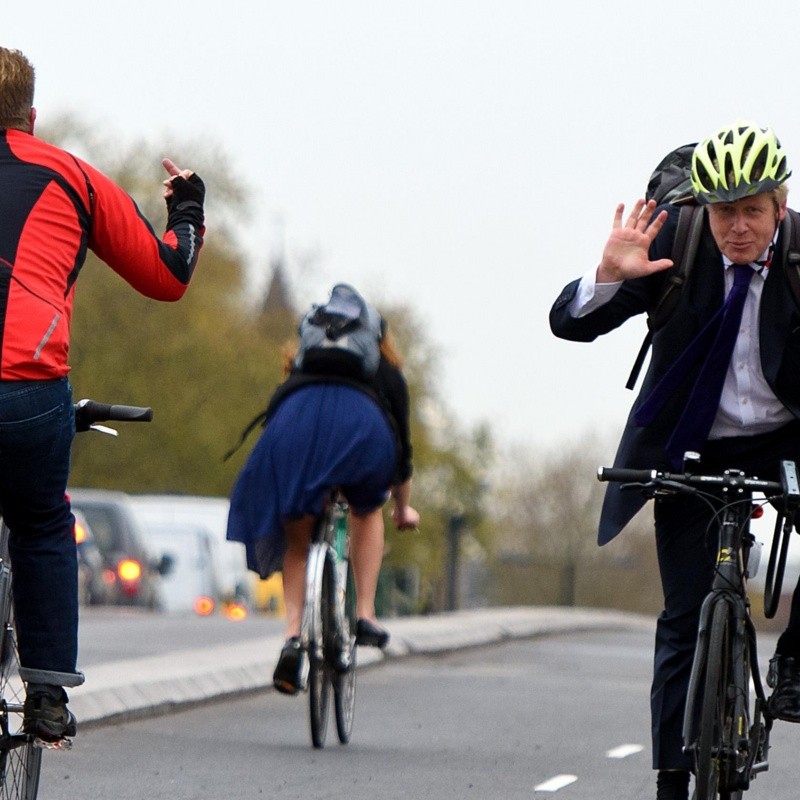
(757, 512)
(204, 606)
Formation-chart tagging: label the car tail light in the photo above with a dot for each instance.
(80, 533)
(109, 576)
(204, 606)
(235, 611)
(129, 570)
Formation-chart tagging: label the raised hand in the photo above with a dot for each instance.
(626, 252)
(173, 171)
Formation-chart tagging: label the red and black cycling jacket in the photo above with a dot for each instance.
(53, 207)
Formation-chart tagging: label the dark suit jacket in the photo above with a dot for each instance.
(779, 328)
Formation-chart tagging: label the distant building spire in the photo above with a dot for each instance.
(277, 297)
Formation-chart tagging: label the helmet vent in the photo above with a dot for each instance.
(728, 173)
(759, 165)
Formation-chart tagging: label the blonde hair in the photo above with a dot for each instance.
(17, 81)
(389, 350)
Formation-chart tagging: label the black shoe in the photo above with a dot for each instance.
(48, 717)
(287, 678)
(371, 635)
(672, 785)
(784, 676)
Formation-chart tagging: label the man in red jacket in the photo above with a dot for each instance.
(53, 207)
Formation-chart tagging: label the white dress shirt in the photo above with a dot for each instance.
(747, 406)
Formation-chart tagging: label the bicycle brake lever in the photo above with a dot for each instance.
(103, 429)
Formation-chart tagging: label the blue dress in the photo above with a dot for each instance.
(321, 435)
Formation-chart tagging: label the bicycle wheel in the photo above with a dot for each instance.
(320, 673)
(344, 683)
(20, 759)
(721, 728)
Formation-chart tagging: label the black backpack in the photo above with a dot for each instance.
(671, 183)
(341, 337)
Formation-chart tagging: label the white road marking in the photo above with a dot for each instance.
(556, 783)
(625, 750)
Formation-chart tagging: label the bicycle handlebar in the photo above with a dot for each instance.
(89, 412)
(651, 477)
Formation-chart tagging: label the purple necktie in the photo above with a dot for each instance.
(716, 341)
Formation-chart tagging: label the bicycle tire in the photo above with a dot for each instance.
(21, 761)
(344, 684)
(320, 675)
(717, 723)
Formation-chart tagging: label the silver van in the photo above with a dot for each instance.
(209, 514)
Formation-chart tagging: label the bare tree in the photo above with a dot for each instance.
(545, 506)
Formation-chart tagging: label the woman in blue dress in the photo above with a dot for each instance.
(327, 425)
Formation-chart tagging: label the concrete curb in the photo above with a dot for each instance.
(155, 685)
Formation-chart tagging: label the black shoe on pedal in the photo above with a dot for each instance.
(48, 717)
(287, 677)
(672, 785)
(370, 635)
(784, 676)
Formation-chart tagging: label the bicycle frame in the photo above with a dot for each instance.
(729, 587)
(727, 746)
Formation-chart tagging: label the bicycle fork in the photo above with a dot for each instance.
(743, 754)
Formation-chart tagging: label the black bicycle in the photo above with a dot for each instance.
(21, 754)
(328, 628)
(724, 729)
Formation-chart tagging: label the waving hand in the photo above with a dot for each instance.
(626, 252)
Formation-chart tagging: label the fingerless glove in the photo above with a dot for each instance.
(186, 202)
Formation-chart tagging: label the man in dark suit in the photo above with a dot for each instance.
(739, 175)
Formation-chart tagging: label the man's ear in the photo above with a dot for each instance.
(33, 118)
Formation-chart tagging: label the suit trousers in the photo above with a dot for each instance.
(686, 557)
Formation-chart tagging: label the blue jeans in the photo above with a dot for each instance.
(37, 425)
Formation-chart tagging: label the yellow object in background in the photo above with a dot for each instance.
(268, 595)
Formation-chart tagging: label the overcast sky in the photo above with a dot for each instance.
(462, 156)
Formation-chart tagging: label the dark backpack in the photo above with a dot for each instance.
(341, 337)
(671, 183)
(340, 341)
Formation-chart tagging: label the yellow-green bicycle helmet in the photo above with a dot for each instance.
(737, 161)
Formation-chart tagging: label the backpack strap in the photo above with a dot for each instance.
(684, 250)
(790, 251)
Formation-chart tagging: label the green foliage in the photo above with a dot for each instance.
(449, 468)
(204, 366)
(208, 364)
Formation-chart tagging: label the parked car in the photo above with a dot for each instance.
(131, 571)
(92, 586)
(193, 583)
(236, 583)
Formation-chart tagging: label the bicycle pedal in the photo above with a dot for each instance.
(343, 662)
(60, 744)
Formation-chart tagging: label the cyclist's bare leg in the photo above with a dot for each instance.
(298, 540)
(366, 555)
